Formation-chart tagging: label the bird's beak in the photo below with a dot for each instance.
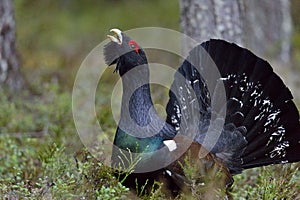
(117, 37)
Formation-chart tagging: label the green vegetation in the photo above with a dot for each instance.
(41, 156)
(271, 182)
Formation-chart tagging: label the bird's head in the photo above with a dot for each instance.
(123, 51)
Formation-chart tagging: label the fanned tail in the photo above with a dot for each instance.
(262, 122)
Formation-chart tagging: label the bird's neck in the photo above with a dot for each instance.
(138, 116)
(137, 106)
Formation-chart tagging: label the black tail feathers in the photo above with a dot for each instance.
(263, 118)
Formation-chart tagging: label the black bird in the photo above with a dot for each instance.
(260, 125)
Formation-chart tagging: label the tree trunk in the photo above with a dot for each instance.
(262, 26)
(9, 66)
(268, 28)
(205, 19)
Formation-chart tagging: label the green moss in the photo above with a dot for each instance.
(271, 182)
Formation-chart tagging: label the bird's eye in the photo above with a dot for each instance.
(134, 45)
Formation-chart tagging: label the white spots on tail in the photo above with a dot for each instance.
(277, 135)
(266, 102)
(240, 102)
(224, 78)
(284, 161)
(271, 118)
(266, 111)
(195, 81)
(254, 93)
(240, 113)
(279, 150)
(259, 117)
(228, 77)
(242, 89)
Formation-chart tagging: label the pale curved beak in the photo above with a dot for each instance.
(117, 37)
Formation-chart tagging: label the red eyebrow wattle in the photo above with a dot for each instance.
(132, 42)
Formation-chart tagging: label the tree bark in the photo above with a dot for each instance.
(262, 26)
(9, 66)
(268, 28)
(206, 19)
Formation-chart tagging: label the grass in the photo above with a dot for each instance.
(43, 164)
(50, 161)
(271, 182)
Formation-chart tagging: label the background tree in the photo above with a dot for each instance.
(262, 26)
(205, 19)
(9, 65)
(268, 28)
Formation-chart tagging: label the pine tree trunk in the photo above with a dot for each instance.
(262, 26)
(205, 19)
(268, 28)
(9, 66)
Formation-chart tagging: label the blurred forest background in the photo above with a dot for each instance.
(41, 155)
(55, 36)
